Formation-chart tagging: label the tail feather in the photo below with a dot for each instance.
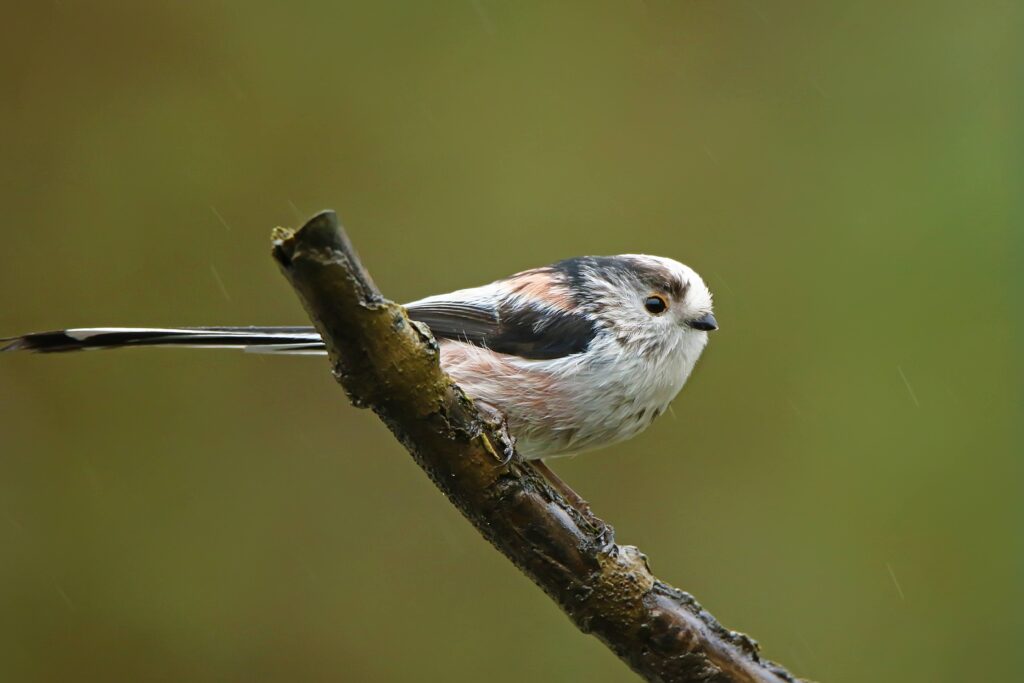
(287, 340)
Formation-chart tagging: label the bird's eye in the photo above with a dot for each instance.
(655, 304)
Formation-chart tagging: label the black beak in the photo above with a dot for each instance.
(706, 322)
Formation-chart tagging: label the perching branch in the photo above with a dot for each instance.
(389, 364)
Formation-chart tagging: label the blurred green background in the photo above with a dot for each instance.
(841, 478)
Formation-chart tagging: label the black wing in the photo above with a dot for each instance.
(469, 322)
(519, 330)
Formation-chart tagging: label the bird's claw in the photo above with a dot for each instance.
(495, 419)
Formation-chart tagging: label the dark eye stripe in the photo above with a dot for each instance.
(651, 276)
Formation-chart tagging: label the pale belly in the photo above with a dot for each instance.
(564, 409)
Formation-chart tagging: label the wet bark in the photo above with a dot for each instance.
(389, 364)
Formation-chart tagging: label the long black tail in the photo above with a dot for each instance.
(288, 340)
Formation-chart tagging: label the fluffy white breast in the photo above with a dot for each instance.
(570, 405)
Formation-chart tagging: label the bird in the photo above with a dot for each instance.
(573, 356)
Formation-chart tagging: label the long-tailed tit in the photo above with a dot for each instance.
(576, 355)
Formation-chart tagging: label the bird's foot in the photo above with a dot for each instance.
(496, 420)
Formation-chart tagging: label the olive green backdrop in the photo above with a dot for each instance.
(841, 478)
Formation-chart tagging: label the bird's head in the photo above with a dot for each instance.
(650, 302)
